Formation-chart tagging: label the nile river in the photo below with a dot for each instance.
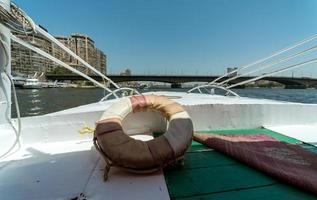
(39, 102)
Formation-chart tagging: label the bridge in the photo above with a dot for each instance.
(176, 80)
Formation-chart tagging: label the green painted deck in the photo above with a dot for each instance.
(207, 174)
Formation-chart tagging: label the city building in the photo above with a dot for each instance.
(232, 71)
(126, 72)
(27, 62)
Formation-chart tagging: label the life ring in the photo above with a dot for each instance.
(121, 150)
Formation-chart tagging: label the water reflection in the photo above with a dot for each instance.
(34, 102)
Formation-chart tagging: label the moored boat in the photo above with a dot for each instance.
(18, 81)
(32, 83)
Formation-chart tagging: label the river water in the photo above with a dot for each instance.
(38, 102)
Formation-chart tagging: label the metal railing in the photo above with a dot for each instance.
(210, 89)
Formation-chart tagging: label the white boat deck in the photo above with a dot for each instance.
(306, 132)
(64, 170)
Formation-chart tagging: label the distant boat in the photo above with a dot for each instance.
(32, 83)
(18, 81)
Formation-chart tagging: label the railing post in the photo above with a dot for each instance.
(5, 67)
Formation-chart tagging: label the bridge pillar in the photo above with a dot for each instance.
(176, 85)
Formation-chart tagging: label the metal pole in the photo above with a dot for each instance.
(5, 68)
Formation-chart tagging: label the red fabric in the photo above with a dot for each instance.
(287, 162)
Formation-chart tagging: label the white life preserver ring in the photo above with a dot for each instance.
(121, 150)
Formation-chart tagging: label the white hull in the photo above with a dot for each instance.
(31, 86)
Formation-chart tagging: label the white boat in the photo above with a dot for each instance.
(32, 83)
(50, 157)
(18, 81)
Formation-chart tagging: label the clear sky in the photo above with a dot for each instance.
(181, 36)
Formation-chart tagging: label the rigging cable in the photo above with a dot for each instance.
(58, 43)
(270, 65)
(274, 72)
(21, 22)
(16, 20)
(17, 130)
(306, 40)
(52, 58)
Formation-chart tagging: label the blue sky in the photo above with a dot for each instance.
(181, 36)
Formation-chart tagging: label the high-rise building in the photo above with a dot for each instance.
(27, 62)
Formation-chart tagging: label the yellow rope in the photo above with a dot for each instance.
(86, 130)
